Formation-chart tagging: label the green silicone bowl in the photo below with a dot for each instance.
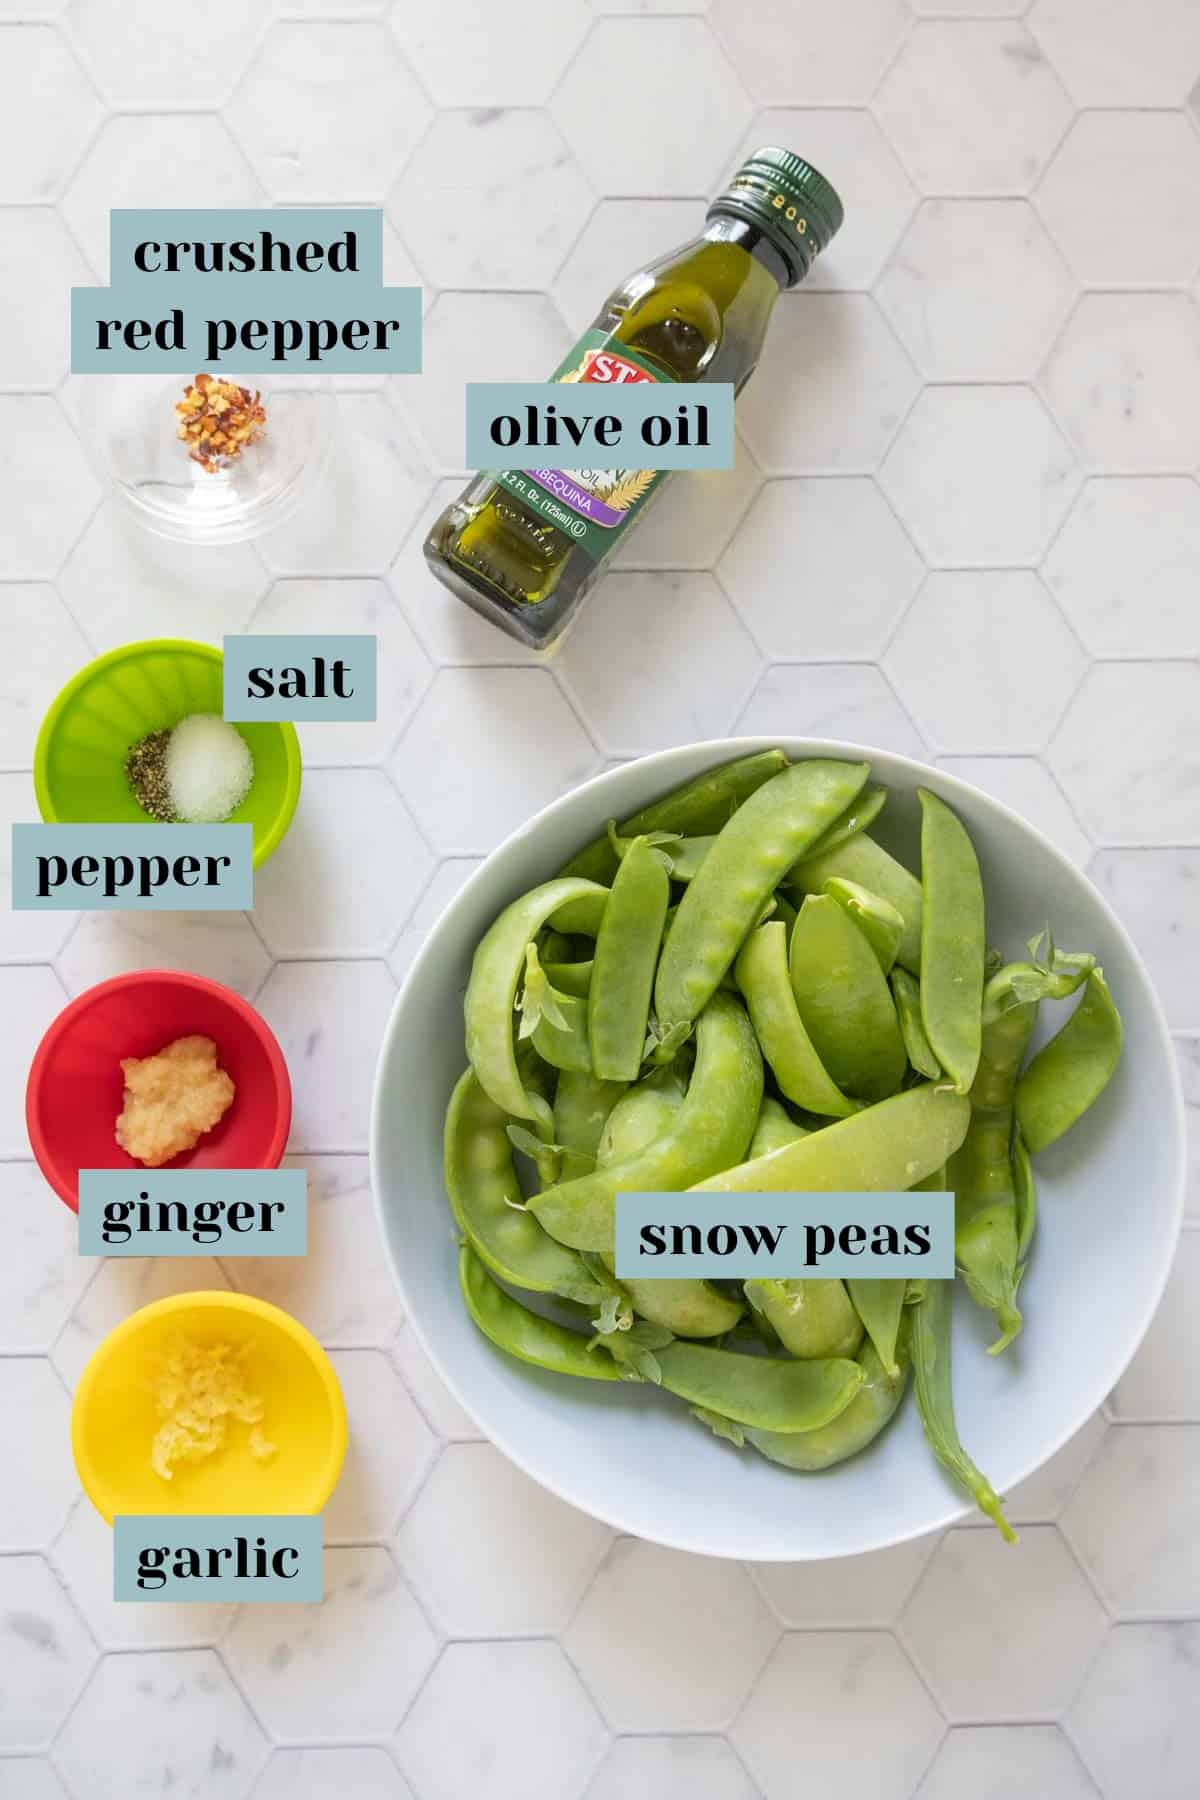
(79, 762)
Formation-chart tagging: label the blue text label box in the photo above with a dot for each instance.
(132, 868)
(193, 1212)
(337, 321)
(812, 1234)
(217, 1556)
(707, 408)
(290, 227)
(332, 661)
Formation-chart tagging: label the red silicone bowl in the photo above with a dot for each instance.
(75, 1085)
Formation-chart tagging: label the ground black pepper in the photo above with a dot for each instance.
(146, 771)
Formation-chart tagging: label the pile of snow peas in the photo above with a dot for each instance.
(741, 989)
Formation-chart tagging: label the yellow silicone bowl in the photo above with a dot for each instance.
(113, 1420)
(79, 761)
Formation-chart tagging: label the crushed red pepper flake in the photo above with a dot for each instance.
(218, 420)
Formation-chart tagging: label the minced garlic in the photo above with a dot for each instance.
(197, 1389)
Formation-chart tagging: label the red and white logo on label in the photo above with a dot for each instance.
(606, 365)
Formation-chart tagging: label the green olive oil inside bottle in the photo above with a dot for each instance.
(523, 548)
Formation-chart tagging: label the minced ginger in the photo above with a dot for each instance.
(197, 1389)
(171, 1100)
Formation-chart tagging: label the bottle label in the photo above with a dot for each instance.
(593, 506)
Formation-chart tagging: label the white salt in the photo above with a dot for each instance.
(209, 769)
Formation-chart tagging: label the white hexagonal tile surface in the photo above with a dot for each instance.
(973, 107)
(999, 1636)
(526, 747)
(193, 1729)
(1158, 1664)
(142, 56)
(49, 490)
(48, 111)
(163, 159)
(961, 663)
(1139, 167)
(328, 111)
(291, 1660)
(342, 1290)
(1125, 566)
(468, 54)
(41, 264)
(661, 659)
(976, 290)
(34, 1438)
(1130, 1520)
(803, 52)
(1154, 894)
(832, 388)
(1124, 381)
(1163, 1380)
(49, 1656)
(821, 568)
(1107, 57)
(352, 1774)
(817, 1692)
(980, 475)
(511, 1716)
(470, 232)
(491, 1553)
(675, 137)
(649, 1673)
(329, 1019)
(989, 1763)
(671, 1768)
(1128, 752)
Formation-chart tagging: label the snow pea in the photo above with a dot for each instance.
(906, 993)
(496, 970)
(582, 1104)
(700, 806)
(859, 1425)
(762, 975)
(776, 1127)
(554, 1022)
(953, 946)
(712, 1130)
(770, 1393)
(1025, 1189)
(862, 860)
(569, 977)
(688, 853)
(618, 1003)
(879, 1304)
(888, 1147)
(526, 1335)
(685, 1306)
(929, 1325)
(737, 878)
(1072, 1070)
(845, 1002)
(641, 1114)
(859, 816)
(490, 1210)
(875, 917)
(982, 1173)
(812, 1317)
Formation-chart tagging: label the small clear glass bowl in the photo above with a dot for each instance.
(134, 423)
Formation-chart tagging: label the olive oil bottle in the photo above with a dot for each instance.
(698, 314)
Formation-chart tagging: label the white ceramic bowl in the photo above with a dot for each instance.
(1111, 1203)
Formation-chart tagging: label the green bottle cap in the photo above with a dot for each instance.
(789, 201)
